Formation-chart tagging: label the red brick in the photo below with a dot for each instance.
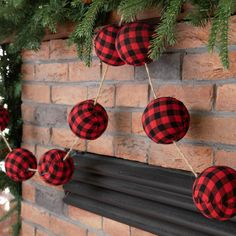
(41, 233)
(27, 112)
(69, 95)
(225, 158)
(206, 66)
(212, 129)
(132, 95)
(35, 214)
(194, 97)
(85, 217)
(119, 122)
(106, 97)
(65, 138)
(28, 71)
(40, 150)
(36, 93)
(225, 100)
(132, 148)
(36, 134)
(61, 227)
(137, 127)
(199, 157)
(28, 192)
(30, 147)
(102, 145)
(27, 229)
(139, 232)
(79, 72)
(59, 49)
(52, 72)
(114, 228)
(41, 54)
(125, 72)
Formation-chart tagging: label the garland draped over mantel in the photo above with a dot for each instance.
(25, 21)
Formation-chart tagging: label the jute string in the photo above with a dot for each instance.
(175, 144)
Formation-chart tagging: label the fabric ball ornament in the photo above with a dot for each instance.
(214, 192)
(17, 164)
(132, 43)
(165, 120)
(4, 118)
(88, 121)
(105, 45)
(53, 169)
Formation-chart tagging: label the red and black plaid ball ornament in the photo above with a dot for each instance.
(17, 164)
(53, 169)
(214, 192)
(165, 120)
(4, 118)
(88, 121)
(132, 43)
(105, 45)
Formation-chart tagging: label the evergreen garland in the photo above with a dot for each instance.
(10, 90)
(25, 21)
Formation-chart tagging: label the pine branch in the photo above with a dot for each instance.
(220, 30)
(165, 32)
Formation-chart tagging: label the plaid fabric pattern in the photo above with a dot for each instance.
(165, 120)
(88, 121)
(4, 118)
(214, 192)
(105, 45)
(53, 169)
(132, 43)
(17, 163)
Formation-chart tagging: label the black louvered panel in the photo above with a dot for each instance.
(154, 199)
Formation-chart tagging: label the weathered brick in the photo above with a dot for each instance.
(69, 95)
(79, 72)
(28, 71)
(85, 217)
(119, 122)
(225, 158)
(139, 232)
(35, 214)
(59, 49)
(212, 129)
(28, 192)
(167, 67)
(36, 93)
(137, 126)
(199, 157)
(114, 228)
(194, 97)
(50, 199)
(50, 116)
(125, 72)
(41, 54)
(225, 99)
(27, 112)
(40, 150)
(65, 138)
(27, 229)
(206, 66)
(29, 146)
(41, 233)
(62, 227)
(92, 234)
(102, 145)
(106, 97)
(132, 148)
(36, 134)
(51, 72)
(132, 95)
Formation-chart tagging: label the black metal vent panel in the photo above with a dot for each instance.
(152, 198)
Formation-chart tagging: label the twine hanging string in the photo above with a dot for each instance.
(70, 150)
(101, 84)
(175, 144)
(6, 142)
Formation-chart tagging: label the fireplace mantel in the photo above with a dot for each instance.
(152, 198)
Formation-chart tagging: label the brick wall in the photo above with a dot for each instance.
(54, 80)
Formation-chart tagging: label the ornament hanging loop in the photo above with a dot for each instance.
(150, 81)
